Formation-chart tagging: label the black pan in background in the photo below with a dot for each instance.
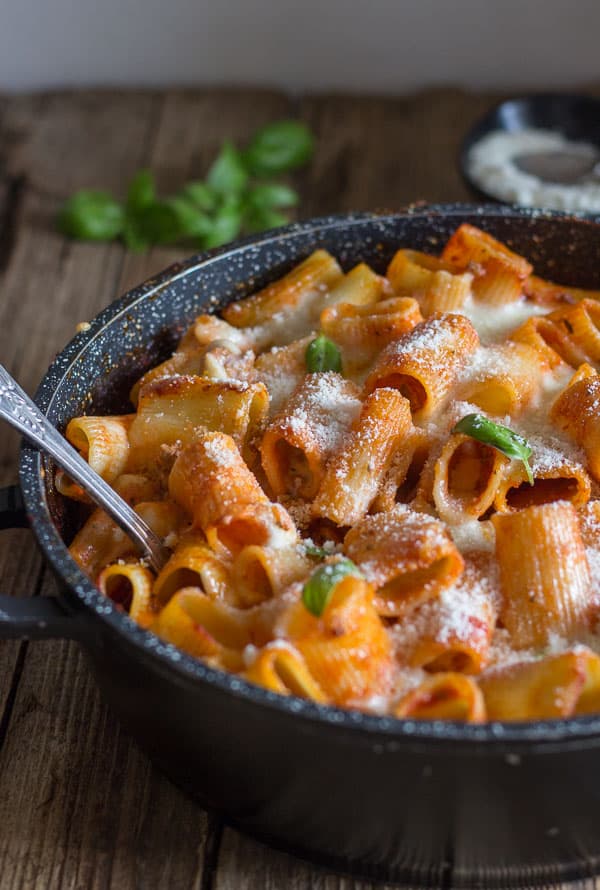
(575, 116)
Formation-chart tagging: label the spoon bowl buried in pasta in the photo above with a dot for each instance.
(378, 482)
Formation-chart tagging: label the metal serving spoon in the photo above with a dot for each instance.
(20, 412)
(562, 167)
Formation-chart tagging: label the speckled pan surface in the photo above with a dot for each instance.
(96, 369)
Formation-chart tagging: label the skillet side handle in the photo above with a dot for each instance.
(37, 618)
(34, 618)
(12, 509)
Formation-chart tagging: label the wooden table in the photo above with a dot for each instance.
(80, 806)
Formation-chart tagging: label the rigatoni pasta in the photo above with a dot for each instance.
(424, 364)
(380, 491)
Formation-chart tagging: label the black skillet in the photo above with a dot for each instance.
(573, 115)
(429, 803)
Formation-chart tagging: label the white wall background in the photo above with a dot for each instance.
(369, 45)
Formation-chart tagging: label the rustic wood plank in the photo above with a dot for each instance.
(375, 153)
(63, 141)
(80, 806)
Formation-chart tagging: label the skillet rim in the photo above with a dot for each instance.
(80, 593)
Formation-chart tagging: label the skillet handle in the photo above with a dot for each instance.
(37, 617)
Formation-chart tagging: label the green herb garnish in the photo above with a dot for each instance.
(317, 552)
(281, 146)
(323, 355)
(500, 437)
(231, 200)
(92, 216)
(320, 586)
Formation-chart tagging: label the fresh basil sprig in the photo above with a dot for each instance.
(322, 355)
(484, 430)
(319, 588)
(234, 197)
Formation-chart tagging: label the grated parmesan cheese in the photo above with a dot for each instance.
(491, 165)
(494, 323)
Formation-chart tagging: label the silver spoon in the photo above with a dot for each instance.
(20, 412)
(562, 167)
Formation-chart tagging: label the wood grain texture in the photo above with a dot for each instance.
(80, 805)
(385, 153)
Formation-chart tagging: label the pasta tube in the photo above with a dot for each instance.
(424, 364)
(408, 557)
(103, 442)
(360, 287)
(544, 574)
(100, 541)
(193, 564)
(552, 341)
(282, 369)
(548, 293)
(466, 477)
(445, 696)
(214, 486)
(555, 478)
(280, 668)
(299, 293)
(576, 412)
(353, 475)
(130, 586)
(260, 573)
(549, 688)
(502, 379)
(500, 273)
(171, 410)
(346, 650)
(204, 627)
(582, 324)
(430, 280)
(298, 443)
(454, 631)
(363, 331)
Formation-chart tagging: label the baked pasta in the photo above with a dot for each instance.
(380, 492)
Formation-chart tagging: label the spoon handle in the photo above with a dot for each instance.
(20, 412)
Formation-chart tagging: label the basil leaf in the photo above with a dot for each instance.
(317, 552)
(148, 221)
(323, 355)
(133, 236)
(142, 191)
(227, 175)
(193, 222)
(226, 225)
(200, 194)
(260, 220)
(499, 437)
(91, 216)
(159, 223)
(278, 147)
(319, 588)
(272, 194)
